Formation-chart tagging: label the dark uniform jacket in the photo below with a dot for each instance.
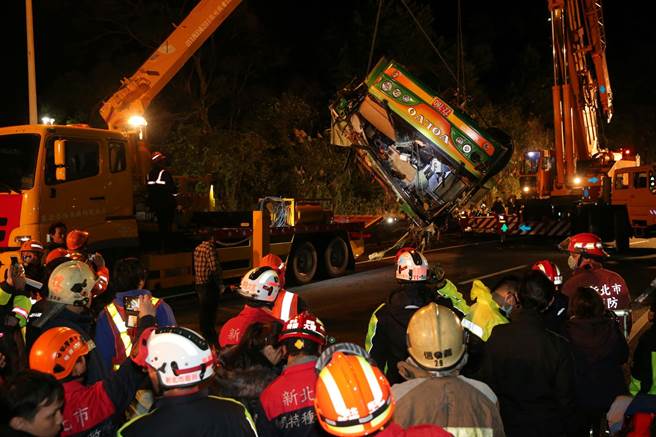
(386, 339)
(531, 370)
(195, 415)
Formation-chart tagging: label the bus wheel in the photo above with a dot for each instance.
(304, 262)
(336, 257)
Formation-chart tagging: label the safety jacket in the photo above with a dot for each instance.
(15, 303)
(484, 314)
(123, 336)
(286, 305)
(458, 302)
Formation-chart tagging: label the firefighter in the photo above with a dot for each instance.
(287, 304)
(353, 397)
(161, 196)
(178, 362)
(115, 330)
(89, 408)
(435, 381)
(556, 314)
(56, 236)
(302, 338)
(586, 252)
(31, 253)
(15, 305)
(70, 296)
(385, 339)
(260, 287)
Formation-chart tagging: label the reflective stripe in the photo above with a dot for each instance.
(371, 329)
(159, 180)
(465, 431)
(473, 328)
(21, 312)
(247, 414)
(374, 385)
(286, 309)
(122, 328)
(333, 391)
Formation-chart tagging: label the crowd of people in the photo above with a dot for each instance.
(86, 353)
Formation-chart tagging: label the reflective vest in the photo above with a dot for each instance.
(123, 336)
(484, 314)
(286, 305)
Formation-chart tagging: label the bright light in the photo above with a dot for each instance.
(526, 189)
(577, 180)
(532, 155)
(47, 120)
(137, 121)
(627, 152)
(390, 220)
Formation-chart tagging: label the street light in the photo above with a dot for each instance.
(47, 120)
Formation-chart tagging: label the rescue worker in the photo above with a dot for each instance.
(434, 379)
(15, 305)
(208, 279)
(530, 368)
(385, 339)
(89, 409)
(643, 368)
(260, 287)
(31, 253)
(302, 339)
(178, 361)
(161, 196)
(287, 304)
(70, 288)
(556, 314)
(56, 236)
(77, 242)
(353, 397)
(30, 405)
(586, 251)
(115, 334)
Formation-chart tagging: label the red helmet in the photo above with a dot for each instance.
(550, 269)
(76, 239)
(32, 246)
(304, 326)
(585, 243)
(157, 157)
(59, 252)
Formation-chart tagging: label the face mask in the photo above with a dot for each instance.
(572, 262)
(506, 309)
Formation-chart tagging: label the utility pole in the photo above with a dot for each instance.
(31, 74)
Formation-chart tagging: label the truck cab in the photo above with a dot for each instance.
(73, 174)
(635, 187)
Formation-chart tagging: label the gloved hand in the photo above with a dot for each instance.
(436, 275)
(139, 351)
(97, 260)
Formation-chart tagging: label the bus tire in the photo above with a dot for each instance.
(336, 257)
(304, 262)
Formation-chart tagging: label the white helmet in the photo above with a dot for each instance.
(71, 283)
(436, 339)
(180, 356)
(411, 266)
(260, 283)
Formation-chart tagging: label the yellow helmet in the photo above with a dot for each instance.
(435, 337)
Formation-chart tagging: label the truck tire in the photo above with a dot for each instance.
(621, 230)
(304, 262)
(336, 257)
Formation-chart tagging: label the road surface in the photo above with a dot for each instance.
(345, 304)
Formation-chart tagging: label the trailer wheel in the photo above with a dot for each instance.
(336, 257)
(304, 262)
(622, 230)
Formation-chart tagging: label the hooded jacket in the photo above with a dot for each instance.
(599, 350)
(386, 342)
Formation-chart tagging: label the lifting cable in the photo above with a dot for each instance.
(435, 49)
(373, 38)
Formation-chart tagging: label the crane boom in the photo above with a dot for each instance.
(138, 91)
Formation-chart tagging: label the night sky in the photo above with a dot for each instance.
(70, 41)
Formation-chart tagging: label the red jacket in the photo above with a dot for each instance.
(234, 328)
(608, 284)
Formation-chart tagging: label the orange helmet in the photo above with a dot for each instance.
(59, 252)
(584, 243)
(32, 246)
(57, 350)
(353, 398)
(76, 239)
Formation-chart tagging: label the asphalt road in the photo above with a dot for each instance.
(345, 304)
